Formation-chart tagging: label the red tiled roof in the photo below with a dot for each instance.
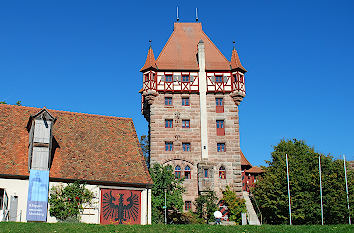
(150, 61)
(235, 61)
(244, 161)
(181, 48)
(90, 147)
(254, 170)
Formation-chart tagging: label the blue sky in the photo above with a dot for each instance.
(85, 56)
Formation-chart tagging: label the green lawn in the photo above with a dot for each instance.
(81, 227)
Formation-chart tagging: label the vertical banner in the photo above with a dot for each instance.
(37, 203)
(120, 206)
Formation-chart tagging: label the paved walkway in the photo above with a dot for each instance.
(251, 214)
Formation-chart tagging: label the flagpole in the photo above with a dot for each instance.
(346, 188)
(319, 167)
(287, 176)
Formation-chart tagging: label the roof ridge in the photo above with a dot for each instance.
(215, 46)
(69, 113)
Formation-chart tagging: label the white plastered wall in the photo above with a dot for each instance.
(91, 214)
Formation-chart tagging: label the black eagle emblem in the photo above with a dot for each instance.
(120, 213)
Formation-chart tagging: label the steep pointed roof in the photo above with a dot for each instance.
(180, 51)
(244, 161)
(235, 61)
(150, 61)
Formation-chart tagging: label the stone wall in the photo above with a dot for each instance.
(230, 159)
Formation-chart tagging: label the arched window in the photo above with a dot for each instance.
(177, 172)
(222, 172)
(187, 172)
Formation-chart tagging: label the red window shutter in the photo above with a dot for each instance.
(219, 109)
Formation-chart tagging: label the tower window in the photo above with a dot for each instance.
(169, 78)
(168, 146)
(187, 172)
(177, 172)
(219, 105)
(218, 79)
(168, 101)
(206, 175)
(185, 101)
(221, 147)
(185, 78)
(187, 205)
(220, 130)
(186, 146)
(222, 172)
(169, 123)
(185, 123)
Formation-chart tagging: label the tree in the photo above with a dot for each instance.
(3, 102)
(206, 206)
(145, 147)
(271, 190)
(164, 179)
(67, 202)
(235, 205)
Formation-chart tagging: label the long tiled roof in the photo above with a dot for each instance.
(180, 51)
(255, 170)
(89, 147)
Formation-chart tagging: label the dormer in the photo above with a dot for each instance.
(39, 127)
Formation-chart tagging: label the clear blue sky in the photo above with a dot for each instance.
(85, 56)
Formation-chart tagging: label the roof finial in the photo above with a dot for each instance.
(234, 44)
(177, 15)
(196, 14)
(150, 43)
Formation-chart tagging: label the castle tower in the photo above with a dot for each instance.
(190, 99)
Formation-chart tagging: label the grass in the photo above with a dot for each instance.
(82, 227)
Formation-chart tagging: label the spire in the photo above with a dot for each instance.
(235, 61)
(150, 60)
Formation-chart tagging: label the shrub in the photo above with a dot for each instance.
(66, 202)
(235, 205)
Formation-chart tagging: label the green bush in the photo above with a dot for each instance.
(206, 206)
(235, 205)
(66, 202)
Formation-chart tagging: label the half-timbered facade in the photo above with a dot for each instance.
(194, 86)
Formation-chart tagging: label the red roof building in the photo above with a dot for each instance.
(102, 151)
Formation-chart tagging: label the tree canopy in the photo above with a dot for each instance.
(271, 190)
(164, 179)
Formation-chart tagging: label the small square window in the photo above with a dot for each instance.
(221, 147)
(168, 146)
(169, 78)
(186, 124)
(185, 101)
(186, 146)
(218, 79)
(169, 123)
(168, 101)
(187, 205)
(185, 78)
(206, 175)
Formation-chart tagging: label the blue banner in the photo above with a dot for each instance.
(37, 203)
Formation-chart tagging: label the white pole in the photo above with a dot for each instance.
(177, 15)
(346, 188)
(165, 207)
(287, 175)
(319, 167)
